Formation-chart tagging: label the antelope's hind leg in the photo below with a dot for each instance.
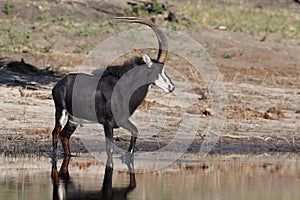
(65, 135)
(60, 116)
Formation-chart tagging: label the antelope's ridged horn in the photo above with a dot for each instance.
(162, 41)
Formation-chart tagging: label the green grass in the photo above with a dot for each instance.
(209, 47)
(47, 49)
(12, 39)
(246, 19)
(141, 11)
(86, 29)
(9, 7)
(17, 33)
(80, 49)
(227, 55)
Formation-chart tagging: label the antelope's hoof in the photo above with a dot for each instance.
(53, 152)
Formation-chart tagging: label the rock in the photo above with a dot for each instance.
(274, 113)
(209, 112)
(193, 109)
(235, 112)
(222, 28)
(22, 92)
(196, 109)
(25, 50)
(172, 17)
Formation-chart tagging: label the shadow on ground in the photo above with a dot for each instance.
(20, 73)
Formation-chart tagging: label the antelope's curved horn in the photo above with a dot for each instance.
(162, 41)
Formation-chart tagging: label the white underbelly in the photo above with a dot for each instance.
(77, 120)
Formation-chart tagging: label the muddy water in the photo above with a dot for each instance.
(214, 177)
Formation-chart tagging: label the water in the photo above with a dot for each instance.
(214, 177)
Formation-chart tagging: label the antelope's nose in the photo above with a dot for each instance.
(171, 88)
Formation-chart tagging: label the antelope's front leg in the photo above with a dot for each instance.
(108, 129)
(132, 144)
(128, 125)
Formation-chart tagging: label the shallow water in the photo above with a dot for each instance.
(214, 177)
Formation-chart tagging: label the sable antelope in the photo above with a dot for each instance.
(110, 99)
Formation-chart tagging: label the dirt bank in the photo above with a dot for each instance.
(261, 80)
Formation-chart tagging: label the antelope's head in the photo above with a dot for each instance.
(156, 69)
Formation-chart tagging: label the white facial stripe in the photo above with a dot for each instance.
(161, 83)
(164, 82)
(164, 76)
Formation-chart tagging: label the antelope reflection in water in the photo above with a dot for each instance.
(61, 181)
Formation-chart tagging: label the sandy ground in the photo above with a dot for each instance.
(261, 112)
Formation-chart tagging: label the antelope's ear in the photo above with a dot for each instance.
(147, 60)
